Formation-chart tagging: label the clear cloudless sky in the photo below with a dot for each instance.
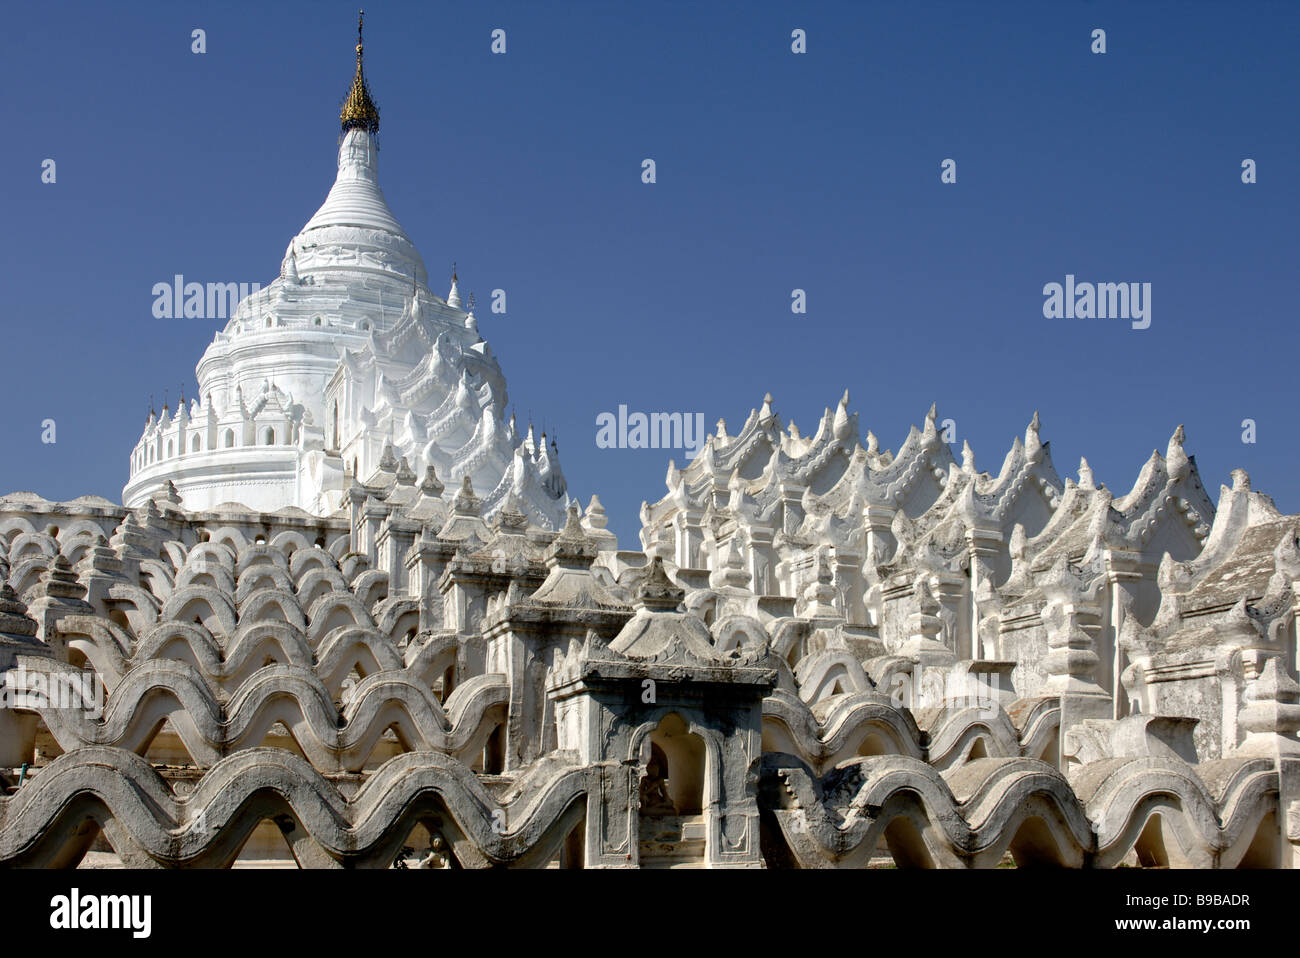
(775, 171)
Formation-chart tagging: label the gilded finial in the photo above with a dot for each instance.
(359, 110)
(453, 271)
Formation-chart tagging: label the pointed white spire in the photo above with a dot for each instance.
(289, 267)
(416, 310)
(543, 460)
(1177, 463)
(453, 298)
(1086, 478)
(1033, 445)
(842, 423)
(595, 516)
(930, 433)
(549, 469)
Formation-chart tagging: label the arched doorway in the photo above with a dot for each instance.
(672, 826)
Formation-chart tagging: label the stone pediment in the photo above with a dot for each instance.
(667, 651)
(665, 644)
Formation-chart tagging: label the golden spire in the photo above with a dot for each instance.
(359, 111)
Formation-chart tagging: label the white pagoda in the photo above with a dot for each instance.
(347, 368)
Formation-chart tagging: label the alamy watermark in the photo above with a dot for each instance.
(181, 300)
(926, 689)
(53, 689)
(74, 911)
(656, 430)
(1130, 301)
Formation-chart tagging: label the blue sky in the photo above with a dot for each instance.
(775, 171)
